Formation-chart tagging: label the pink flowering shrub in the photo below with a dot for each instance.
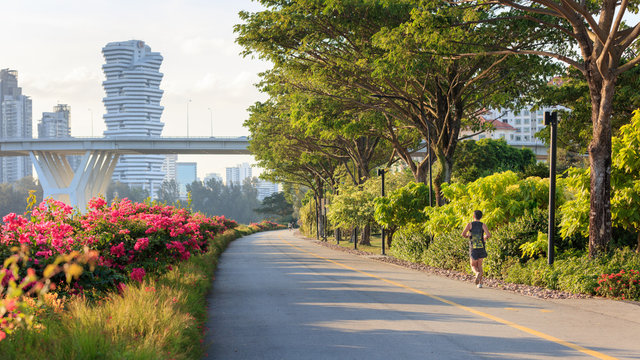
(623, 285)
(132, 239)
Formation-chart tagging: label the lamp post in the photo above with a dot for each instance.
(211, 114)
(381, 174)
(188, 117)
(429, 123)
(551, 119)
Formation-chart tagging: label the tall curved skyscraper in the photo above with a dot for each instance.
(133, 108)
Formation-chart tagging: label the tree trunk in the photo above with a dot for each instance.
(338, 235)
(600, 165)
(443, 175)
(390, 238)
(638, 248)
(365, 238)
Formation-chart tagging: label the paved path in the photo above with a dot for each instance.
(277, 296)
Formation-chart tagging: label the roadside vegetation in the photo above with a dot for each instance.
(127, 280)
(363, 88)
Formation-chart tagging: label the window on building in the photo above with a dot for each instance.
(511, 136)
(518, 138)
(518, 130)
(526, 121)
(518, 121)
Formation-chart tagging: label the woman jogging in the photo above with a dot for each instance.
(477, 233)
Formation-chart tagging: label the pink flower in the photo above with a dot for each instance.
(2, 335)
(141, 244)
(118, 250)
(138, 274)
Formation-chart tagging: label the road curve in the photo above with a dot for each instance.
(277, 296)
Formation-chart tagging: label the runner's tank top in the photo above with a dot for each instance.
(477, 235)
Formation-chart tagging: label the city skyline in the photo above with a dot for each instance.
(204, 74)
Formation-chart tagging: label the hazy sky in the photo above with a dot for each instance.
(56, 48)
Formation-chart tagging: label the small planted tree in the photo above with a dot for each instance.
(402, 207)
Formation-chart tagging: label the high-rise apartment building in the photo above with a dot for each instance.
(169, 167)
(186, 173)
(266, 188)
(15, 122)
(133, 108)
(237, 174)
(56, 124)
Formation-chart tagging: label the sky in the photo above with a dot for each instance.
(56, 48)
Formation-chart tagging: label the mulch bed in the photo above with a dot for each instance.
(528, 290)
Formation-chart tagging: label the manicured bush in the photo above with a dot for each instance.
(621, 285)
(576, 274)
(448, 251)
(409, 244)
(504, 245)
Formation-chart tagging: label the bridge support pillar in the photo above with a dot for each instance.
(61, 183)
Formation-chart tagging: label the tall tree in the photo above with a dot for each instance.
(606, 49)
(385, 57)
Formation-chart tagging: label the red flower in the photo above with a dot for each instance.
(138, 274)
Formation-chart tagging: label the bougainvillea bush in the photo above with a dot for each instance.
(133, 240)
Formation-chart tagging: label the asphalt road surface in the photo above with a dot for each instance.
(278, 296)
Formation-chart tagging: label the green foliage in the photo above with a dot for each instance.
(237, 201)
(448, 250)
(13, 195)
(577, 274)
(537, 248)
(503, 248)
(277, 208)
(352, 207)
(477, 159)
(625, 181)
(502, 197)
(409, 244)
(403, 206)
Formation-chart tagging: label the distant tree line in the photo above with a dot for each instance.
(13, 196)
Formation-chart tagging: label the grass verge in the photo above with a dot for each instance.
(158, 319)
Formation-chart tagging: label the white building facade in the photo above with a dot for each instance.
(237, 174)
(56, 124)
(266, 188)
(15, 122)
(133, 108)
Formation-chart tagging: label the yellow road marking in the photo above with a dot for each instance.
(513, 309)
(595, 354)
(545, 310)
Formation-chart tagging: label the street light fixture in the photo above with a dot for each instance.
(379, 96)
(551, 119)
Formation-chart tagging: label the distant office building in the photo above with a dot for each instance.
(169, 167)
(133, 108)
(186, 173)
(266, 188)
(15, 122)
(237, 174)
(57, 125)
(210, 176)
